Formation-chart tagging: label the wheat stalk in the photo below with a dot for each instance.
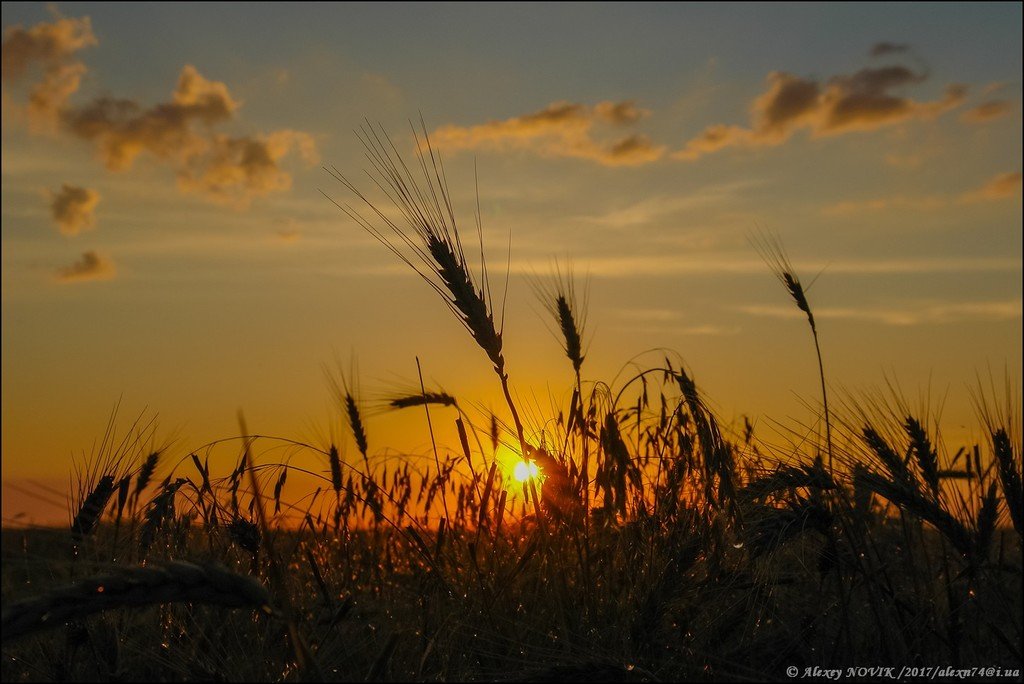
(1009, 477)
(429, 241)
(908, 498)
(771, 250)
(345, 392)
(146, 471)
(335, 460)
(91, 510)
(924, 453)
(559, 299)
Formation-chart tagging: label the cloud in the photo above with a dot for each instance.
(659, 207)
(708, 330)
(632, 150)
(178, 133)
(73, 208)
(887, 48)
(725, 263)
(122, 130)
(1003, 186)
(895, 202)
(912, 160)
(666, 321)
(52, 47)
(49, 95)
(288, 231)
(620, 113)
(91, 266)
(381, 86)
(43, 43)
(987, 111)
(862, 101)
(736, 263)
(231, 170)
(715, 138)
(649, 315)
(225, 169)
(562, 129)
(910, 314)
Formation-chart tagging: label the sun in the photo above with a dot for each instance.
(525, 471)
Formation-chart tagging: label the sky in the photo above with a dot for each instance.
(168, 250)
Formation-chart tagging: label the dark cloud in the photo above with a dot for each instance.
(73, 208)
(91, 266)
(633, 149)
(885, 48)
(864, 100)
(787, 103)
(620, 113)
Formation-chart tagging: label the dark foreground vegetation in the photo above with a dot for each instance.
(638, 540)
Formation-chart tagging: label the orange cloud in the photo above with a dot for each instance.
(178, 133)
(224, 169)
(896, 202)
(73, 208)
(43, 43)
(289, 231)
(911, 313)
(52, 46)
(1003, 186)
(987, 111)
(91, 266)
(231, 169)
(122, 130)
(562, 129)
(861, 101)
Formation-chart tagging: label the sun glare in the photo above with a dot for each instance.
(525, 470)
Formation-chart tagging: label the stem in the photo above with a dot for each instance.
(433, 443)
(824, 397)
(500, 370)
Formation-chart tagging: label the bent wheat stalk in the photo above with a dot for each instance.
(174, 582)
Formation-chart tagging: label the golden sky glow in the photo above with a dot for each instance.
(166, 244)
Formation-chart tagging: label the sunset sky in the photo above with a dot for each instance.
(166, 243)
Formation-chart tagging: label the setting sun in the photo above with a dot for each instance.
(525, 471)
